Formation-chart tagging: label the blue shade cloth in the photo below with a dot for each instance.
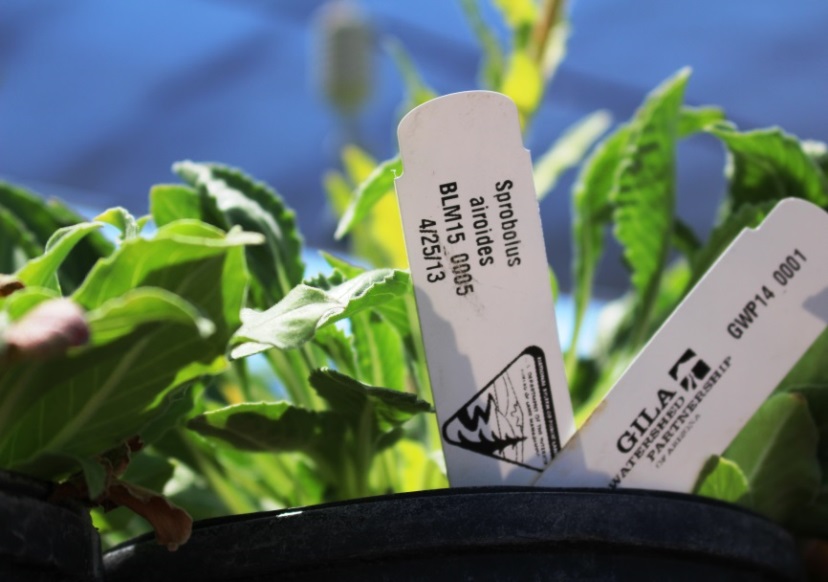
(97, 99)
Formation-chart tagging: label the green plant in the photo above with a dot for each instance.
(170, 343)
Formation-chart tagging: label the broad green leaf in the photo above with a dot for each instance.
(122, 219)
(276, 265)
(767, 165)
(644, 193)
(523, 83)
(172, 202)
(294, 320)
(695, 119)
(348, 397)
(379, 351)
(202, 264)
(94, 398)
(41, 218)
(417, 91)
(777, 451)
(42, 271)
(125, 313)
(17, 244)
(592, 212)
(358, 163)
(264, 426)
(569, 150)
(491, 69)
(724, 480)
(368, 194)
(394, 311)
(746, 216)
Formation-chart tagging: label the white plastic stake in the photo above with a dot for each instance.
(712, 364)
(478, 262)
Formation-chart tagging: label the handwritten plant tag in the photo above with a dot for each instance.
(712, 364)
(481, 279)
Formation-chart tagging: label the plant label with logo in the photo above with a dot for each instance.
(478, 262)
(713, 362)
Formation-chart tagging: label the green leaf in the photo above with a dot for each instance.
(338, 347)
(171, 202)
(517, 13)
(42, 271)
(592, 212)
(277, 265)
(568, 150)
(777, 451)
(263, 426)
(94, 398)
(695, 119)
(416, 90)
(379, 351)
(644, 193)
(767, 165)
(17, 244)
(122, 219)
(746, 216)
(349, 397)
(294, 320)
(41, 219)
(724, 480)
(198, 262)
(368, 194)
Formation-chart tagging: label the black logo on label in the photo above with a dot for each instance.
(512, 418)
(689, 369)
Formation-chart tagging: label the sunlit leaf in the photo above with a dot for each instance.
(94, 398)
(695, 119)
(294, 320)
(644, 193)
(767, 165)
(723, 479)
(275, 265)
(121, 219)
(41, 218)
(42, 271)
(380, 183)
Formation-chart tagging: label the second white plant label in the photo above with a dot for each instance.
(478, 262)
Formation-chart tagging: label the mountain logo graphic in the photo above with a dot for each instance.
(689, 370)
(512, 417)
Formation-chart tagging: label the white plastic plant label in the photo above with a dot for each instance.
(712, 364)
(478, 262)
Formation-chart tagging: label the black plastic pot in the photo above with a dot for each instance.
(42, 541)
(477, 534)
